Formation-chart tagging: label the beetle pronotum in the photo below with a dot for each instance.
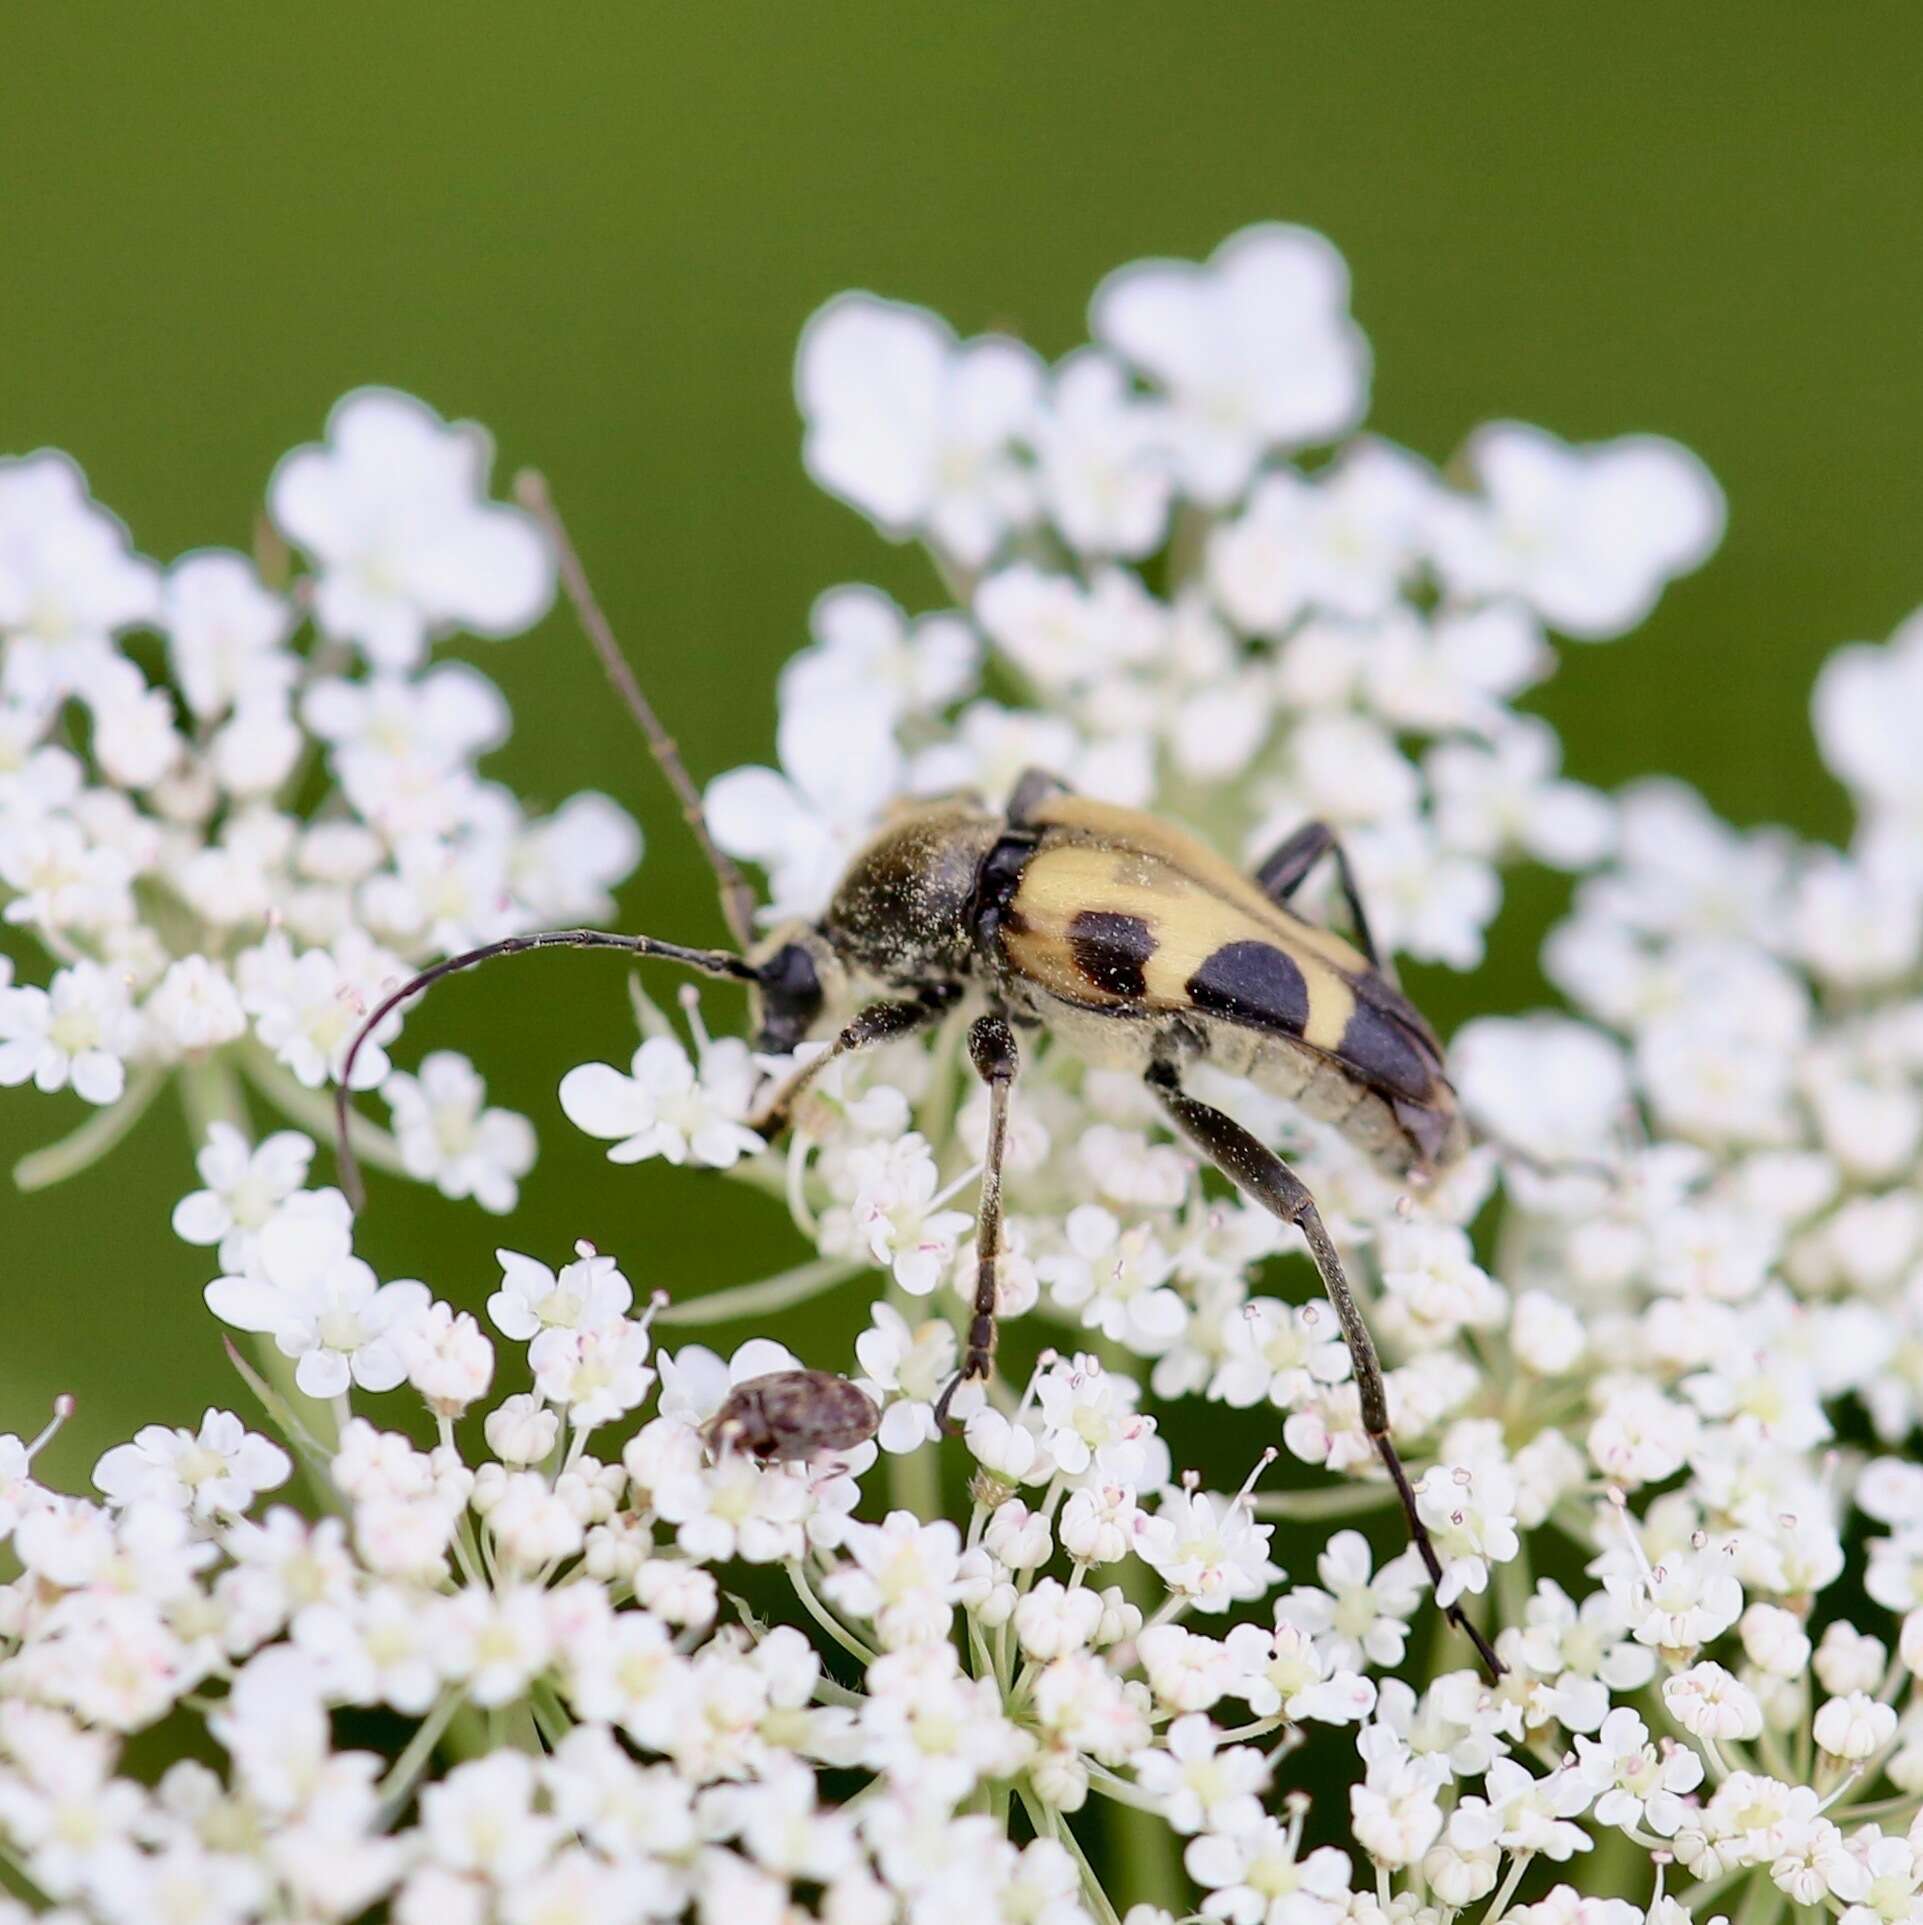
(1127, 939)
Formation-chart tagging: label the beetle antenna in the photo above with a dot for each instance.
(737, 898)
(710, 962)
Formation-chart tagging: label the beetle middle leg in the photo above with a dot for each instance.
(1280, 874)
(992, 1050)
(1256, 1170)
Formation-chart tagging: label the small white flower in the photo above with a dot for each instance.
(69, 582)
(308, 1007)
(1255, 350)
(196, 1007)
(906, 1577)
(1709, 1703)
(1849, 1660)
(403, 747)
(907, 1367)
(1424, 900)
(135, 741)
(663, 1107)
(1208, 1549)
(1634, 1782)
(895, 1216)
(449, 1359)
(589, 1294)
(840, 766)
(1471, 1516)
(78, 1031)
(323, 1306)
(1202, 1783)
(1358, 1617)
(1285, 1671)
(245, 1186)
(1089, 1420)
(1103, 473)
(224, 631)
(596, 1374)
(521, 1430)
(913, 428)
(1587, 536)
(1339, 545)
(1854, 1727)
(393, 508)
(449, 1138)
(216, 1471)
(1117, 1278)
(1279, 1352)
(1494, 800)
(1259, 1876)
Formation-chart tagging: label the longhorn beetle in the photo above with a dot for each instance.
(1125, 938)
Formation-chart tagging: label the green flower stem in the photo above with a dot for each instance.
(94, 1138)
(550, 1714)
(767, 1173)
(935, 1114)
(398, 1786)
(287, 1418)
(1147, 1856)
(1050, 1824)
(1697, 1898)
(844, 1637)
(914, 1480)
(313, 1110)
(14, 1879)
(780, 1292)
(1355, 1499)
(1507, 1890)
(1101, 1779)
(1764, 1902)
(210, 1093)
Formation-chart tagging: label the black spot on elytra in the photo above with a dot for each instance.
(1382, 1050)
(1253, 983)
(1110, 950)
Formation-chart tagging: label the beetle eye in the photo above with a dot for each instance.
(790, 999)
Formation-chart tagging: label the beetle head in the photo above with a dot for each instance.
(797, 975)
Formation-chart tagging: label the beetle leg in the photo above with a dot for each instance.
(1283, 872)
(877, 1024)
(1034, 787)
(1257, 1171)
(992, 1050)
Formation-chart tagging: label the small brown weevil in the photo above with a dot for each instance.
(794, 1413)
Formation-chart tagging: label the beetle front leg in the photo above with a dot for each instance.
(992, 1050)
(1281, 873)
(871, 1027)
(1259, 1173)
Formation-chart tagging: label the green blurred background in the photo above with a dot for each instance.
(597, 228)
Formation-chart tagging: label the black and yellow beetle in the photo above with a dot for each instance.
(1128, 940)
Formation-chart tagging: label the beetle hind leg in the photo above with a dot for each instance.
(1281, 873)
(992, 1050)
(1259, 1173)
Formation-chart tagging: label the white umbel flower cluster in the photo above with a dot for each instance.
(230, 844)
(509, 1625)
